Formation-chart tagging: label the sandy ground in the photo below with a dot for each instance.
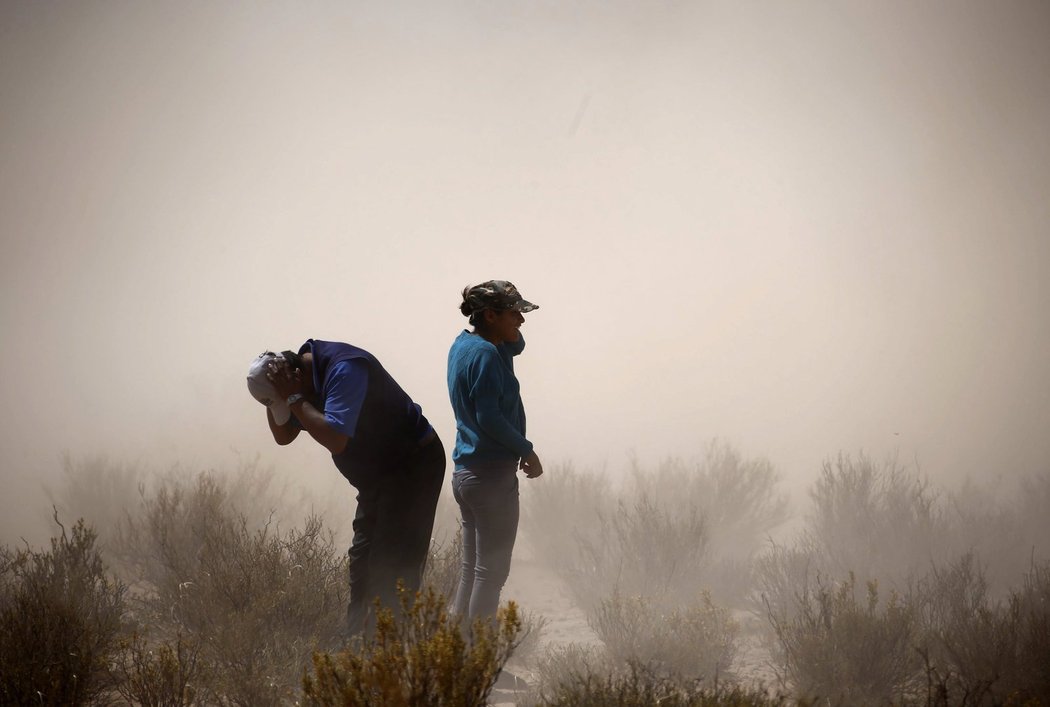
(537, 589)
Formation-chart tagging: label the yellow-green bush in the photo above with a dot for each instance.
(418, 657)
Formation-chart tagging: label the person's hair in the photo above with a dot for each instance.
(294, 360)
(476, 317)
(464, 306)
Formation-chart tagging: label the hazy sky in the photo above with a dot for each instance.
(801, 227)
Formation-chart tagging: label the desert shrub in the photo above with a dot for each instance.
(879, 520)
(737, 497)
(979, 650)
(783, 574)
(967, 642)
(697, 640)
(642, 549)
(563, 664)
(165, 674)
(834, 645)
(258, 602)
(444, 561)
(668, 532)
(562, 512)
(418, 656)
(1029, 676)
(1005, 534)
(60, 618)
(100, 491)
(528, 642)
(639, 686)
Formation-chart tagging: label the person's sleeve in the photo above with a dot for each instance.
(345, 392)
(485, 392)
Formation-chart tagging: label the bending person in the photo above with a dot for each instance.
(490, 440)
(379, 440)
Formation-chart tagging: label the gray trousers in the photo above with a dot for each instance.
(488, 504)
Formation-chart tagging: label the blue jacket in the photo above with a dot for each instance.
(486, 399)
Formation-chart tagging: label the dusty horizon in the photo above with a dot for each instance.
(798, 229)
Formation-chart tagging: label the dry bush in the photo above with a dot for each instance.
(60, 618)
(884, 522)
(1005, 535)
(259, 602)
(528, 642)
(418, 656)
(697, 640)
(564, 511)
(668, 532)
(879, 520)
(444, 561)
(564, 664)
(784, 572)
(1029, 676)
(983, 651)
(737, 498)
(638, 686)
(100, 491)
(833, 645)
(641, 549)
(165, 674)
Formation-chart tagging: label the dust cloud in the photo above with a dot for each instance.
(795, 227)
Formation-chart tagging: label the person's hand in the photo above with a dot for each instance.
(531, 465)
(285, 380)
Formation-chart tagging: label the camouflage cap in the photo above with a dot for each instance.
(496, 294)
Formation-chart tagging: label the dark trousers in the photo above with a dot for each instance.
(392, 528)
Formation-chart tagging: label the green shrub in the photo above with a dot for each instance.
(418, 656)
(60, 618)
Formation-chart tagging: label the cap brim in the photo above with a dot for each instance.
(524, 306)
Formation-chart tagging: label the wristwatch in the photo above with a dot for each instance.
(294, 398)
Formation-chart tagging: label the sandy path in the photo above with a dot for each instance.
(537, 589)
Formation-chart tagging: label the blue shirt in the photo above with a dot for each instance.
(486, 399)
(360, 399)
(345, 395)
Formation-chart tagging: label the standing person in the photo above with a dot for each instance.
(379, 440)
(490, 440)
